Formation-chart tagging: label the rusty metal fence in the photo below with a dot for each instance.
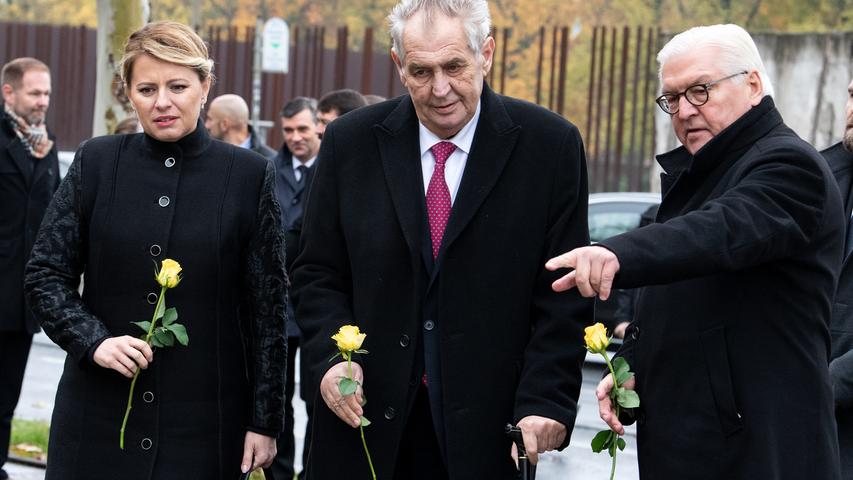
(603, 80)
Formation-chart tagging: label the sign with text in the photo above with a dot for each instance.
(276, 49)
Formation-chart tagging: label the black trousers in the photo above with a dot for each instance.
(282, 466)
(420, 455)
(14, 350)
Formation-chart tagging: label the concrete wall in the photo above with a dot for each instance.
(810, 73)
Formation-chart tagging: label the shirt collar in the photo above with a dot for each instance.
(297, 163)
(462, 140)
(247, 143)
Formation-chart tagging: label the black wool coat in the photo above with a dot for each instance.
(25, 191)
(127, 202)
(730, 342)
(841, 363)
(508, 346)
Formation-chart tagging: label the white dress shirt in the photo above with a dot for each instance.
(455, 164)
(297, 174)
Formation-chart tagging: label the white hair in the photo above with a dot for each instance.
(738, 52)
(474, 14)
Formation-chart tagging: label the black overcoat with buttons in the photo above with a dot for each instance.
(730, 340)
(127, 203)
(26, 187)
(507, 346)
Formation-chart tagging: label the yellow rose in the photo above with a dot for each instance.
(596, 338)
(349, 338)
(170, 273)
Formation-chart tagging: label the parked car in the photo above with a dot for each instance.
(610, 214)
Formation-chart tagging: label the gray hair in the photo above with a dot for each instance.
(474, 14)
(295, 106)
(737, 51)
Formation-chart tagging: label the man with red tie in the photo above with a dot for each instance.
(428, 226)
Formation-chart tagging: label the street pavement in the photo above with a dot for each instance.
(575, 462)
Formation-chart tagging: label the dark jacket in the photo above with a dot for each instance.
(127, 203)
(841, 364)
(292, 196)
(730, 340)
(26, 187)
(506, 345)
(258, 146)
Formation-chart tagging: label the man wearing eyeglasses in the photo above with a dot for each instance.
(730, 339)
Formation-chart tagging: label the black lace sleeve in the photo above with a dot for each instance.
(266, 286)
(53, 271)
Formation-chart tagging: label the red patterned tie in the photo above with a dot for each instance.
(438, 195)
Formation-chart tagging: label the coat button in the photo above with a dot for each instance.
(163, 201)
(170, 162)
(155, 250)
(152, 298)
(635, 334)
(429, 325)
(390, 413)
(146, 443)
(148, 397)
(404, 341)
(294, 200)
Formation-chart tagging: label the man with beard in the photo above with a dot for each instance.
(29, 174)
(840, 159)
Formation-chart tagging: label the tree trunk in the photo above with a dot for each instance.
(117, 19)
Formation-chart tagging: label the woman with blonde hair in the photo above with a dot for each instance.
(212, 409)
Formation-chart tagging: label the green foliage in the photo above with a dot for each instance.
(32, 432)
(347, 386)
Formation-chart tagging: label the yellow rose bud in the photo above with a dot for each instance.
(349, 338)
(170, 273)
(596, 338)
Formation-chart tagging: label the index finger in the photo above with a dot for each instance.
(531, 444)
(566, 260)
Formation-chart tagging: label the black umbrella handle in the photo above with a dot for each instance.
(527, 469)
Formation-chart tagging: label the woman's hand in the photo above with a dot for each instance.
(258, 451)
(124, 354)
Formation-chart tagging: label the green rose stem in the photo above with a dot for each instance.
(136, 375)
(616, 403)
(348, 356)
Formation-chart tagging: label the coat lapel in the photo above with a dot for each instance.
(494, 141)
(289, 176)
(21, 158)
(397, 137)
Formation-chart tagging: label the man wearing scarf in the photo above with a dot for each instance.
(29, 174)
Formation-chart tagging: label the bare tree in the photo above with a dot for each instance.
(117, 19)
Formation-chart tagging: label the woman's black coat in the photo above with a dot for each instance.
(127, 203)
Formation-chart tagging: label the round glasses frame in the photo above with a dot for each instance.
(697, 95)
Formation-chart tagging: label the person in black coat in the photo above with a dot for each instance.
(29, 174)
(211, 409)
(464, 332)
(840, 159)
(294, 168)
(730, 340)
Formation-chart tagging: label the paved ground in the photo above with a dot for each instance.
(575, 462)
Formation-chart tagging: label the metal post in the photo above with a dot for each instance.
(256, 74)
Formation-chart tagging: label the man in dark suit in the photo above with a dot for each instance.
(29, 174)
(294, 165)
(840, 159)
(428, 225)
(336, 103)
(227, 119)
(730, 338)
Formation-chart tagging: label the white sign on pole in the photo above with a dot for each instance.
(276, 51)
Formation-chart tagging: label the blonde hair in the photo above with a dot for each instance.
(167, 41)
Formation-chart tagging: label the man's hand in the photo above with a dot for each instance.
(258, 451)
(124, 354)
(540, 435)
(605, 405)
(594, 270)
(346, 408)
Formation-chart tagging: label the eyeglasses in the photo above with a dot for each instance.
(697, 95)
